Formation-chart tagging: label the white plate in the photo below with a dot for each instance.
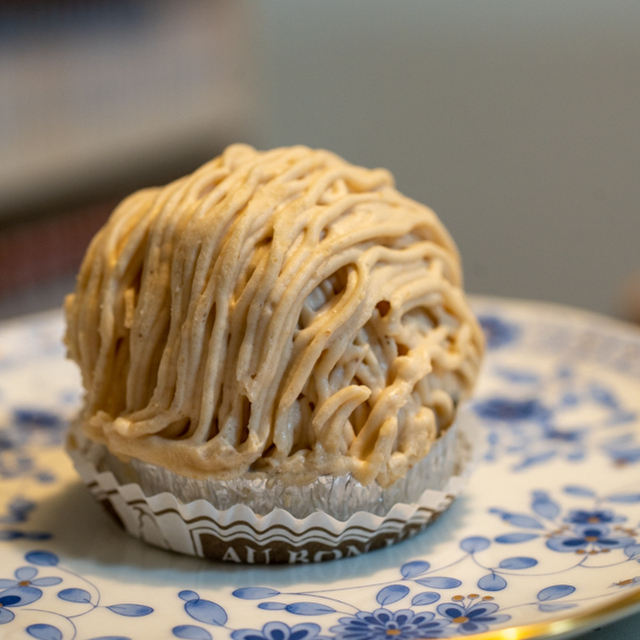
(545, 539)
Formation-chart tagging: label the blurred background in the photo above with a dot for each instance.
(518, 122)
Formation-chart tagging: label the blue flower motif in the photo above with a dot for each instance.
(18, 510)
(530, 428)
(508, 410)
(29, 417)
(280, 631)
(24, 577)
(498, 332)
(382, 623)
(563, 435)
(16, 597)
(591, 538)
(598, 516)
(8, 600)
(5, 441)
(29, 427)
(42, 558)
(15, 463)
(474, 617)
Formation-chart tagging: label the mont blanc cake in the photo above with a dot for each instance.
(273, 350)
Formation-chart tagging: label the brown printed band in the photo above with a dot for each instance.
(240, 542)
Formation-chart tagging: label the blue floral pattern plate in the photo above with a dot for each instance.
(544, 541)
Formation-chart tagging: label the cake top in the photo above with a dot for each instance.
(280, 312)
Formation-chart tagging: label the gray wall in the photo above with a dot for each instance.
(517, 121)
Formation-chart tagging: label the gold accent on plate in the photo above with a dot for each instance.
(566, 627)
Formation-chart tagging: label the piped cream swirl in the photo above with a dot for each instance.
(282, 312)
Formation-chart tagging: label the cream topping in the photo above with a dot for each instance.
(281, 312)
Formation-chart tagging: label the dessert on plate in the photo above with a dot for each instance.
(279, 336)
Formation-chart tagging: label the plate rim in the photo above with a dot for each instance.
(616, 609)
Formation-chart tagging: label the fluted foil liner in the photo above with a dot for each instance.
(257, 520)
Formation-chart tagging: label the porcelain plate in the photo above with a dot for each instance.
(543, 542)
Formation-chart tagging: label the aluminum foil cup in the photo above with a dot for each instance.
(259, 520)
